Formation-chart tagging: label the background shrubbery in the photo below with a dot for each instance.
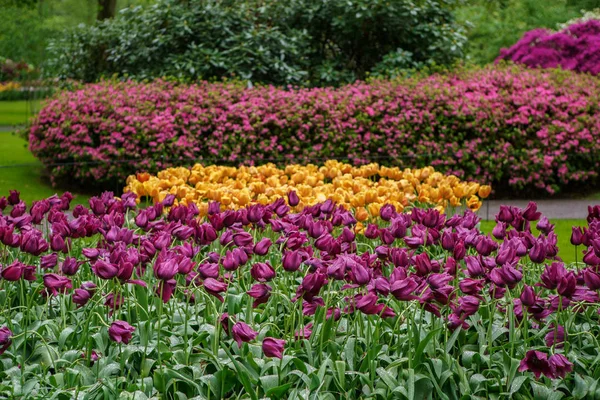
(307, 42)
(511, 127)
(576, 47)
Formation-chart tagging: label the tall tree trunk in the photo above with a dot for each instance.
(106, 9)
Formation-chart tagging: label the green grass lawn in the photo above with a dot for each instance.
(562, 229)
(17, 112)
(24, 172)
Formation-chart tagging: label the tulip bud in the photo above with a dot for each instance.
(260, 292)
(291, 260)
(262, 247)
(293, 199)
(273, 347)
(70, 266)
(528, 296)
(120, 331)
(262, 272)
(241, 333)
(5, 339)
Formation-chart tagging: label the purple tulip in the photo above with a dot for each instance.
(165, 267)
(57, 243)
(70, 266)
(55, 284)
(241, 333)
(591, 279)
(499, 231)
(18, 270)
(260, 292)
(567, 284)
(467, 305)
(590, 258)
(242, 239)
(273, 347)
(291, 260)
(368, 304)
(209, 270)
(474, 267)
(105, 270)
(120, 332)
(403, 289)
(372, 231)
(544, 226)
(530, 213)
(240, 256)
(304, 332)
(505, 215)
(262, 272)
(552, 275)
(32, 242)
(576, 236)
(381, 285)
(48, 261)
(311, 285)
(423, 264)
(293, 199)
(97, 206)
(561, 365)
(165, 289)
(14, 197)
(448, 240)
(262, 247)
(459, 250)
(387, 212)
(471, 286)
(214, 287)
(229, 262)
(537, 362)
(556, 336)
(81, 296)
(5, 339)
(528, 296)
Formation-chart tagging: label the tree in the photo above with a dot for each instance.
(106, 9)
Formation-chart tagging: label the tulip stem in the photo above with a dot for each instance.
(160, 309)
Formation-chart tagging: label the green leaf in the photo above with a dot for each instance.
(410, 385)
(269, 381)
(279, 391)
(516, 384)
(581, 388)
(421, 348)
(452, 340)
(64, 335)
(243, 376)
(387, 378)
(340, 367)
(349, 352)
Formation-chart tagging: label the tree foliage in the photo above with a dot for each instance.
(306, 42)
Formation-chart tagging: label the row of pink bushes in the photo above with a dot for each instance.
(576, 48)
(508, 126)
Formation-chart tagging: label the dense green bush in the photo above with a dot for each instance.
(500, 23)
(306, 42)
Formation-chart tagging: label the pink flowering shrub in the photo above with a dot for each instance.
(577, 48)
(511, 127)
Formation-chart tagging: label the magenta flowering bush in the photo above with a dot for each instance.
(575, 48)
(511, 127)
(172, 304)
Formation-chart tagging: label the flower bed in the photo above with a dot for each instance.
(510, 127)
(265, 302)
(365, 189)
